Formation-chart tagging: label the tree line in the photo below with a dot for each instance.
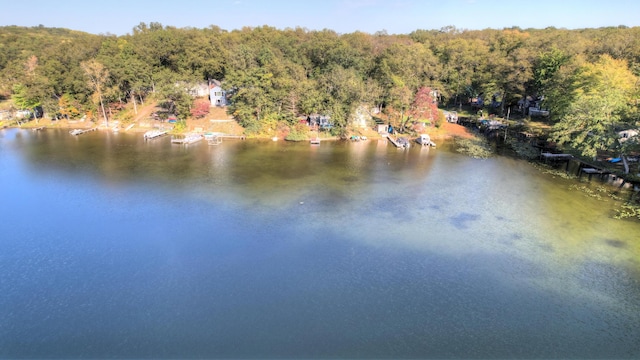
(587, 78)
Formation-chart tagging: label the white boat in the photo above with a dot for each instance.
(152, 134)
(425, 140)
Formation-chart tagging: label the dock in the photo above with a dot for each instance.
(593, 171)
(213, 138)
(230, 136)
(556, 157)
(77, 132)
(187, 139)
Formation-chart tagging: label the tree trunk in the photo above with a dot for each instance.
(135, 106)
(104, 113)
(625, 163)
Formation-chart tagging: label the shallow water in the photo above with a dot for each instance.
(113, 247)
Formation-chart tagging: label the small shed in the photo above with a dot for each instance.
(382, 129)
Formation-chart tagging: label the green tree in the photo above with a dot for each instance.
(510, 65)
(21, 98)
(342, 90)
(603, 94)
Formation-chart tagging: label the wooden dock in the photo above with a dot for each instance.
(593, 171)
(187, 139)
(556, 157)
(393, 141)
(230, 136)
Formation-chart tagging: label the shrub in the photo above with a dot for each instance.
(298, 132)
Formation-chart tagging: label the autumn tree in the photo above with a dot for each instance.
(201, 108)
(68, 106)
(97, 76)
(424, 105)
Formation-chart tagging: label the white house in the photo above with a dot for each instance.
(194, 89)
(217, 95)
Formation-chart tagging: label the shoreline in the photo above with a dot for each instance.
(447, 131)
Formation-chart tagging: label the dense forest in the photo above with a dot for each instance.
(586, 78)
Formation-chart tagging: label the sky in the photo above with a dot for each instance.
(119, 17)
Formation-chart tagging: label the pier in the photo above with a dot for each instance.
(593, 171)
(215, 138)
(187, 139)
(230, 136)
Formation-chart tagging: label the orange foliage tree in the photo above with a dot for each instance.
(424, 105)
(200, 108)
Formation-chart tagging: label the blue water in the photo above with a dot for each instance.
(116, 248)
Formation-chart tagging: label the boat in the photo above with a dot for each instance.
(152, 134)
(425, 140)
(315, 140)
(402, 143)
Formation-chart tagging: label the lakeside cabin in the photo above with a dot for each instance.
(217, 95)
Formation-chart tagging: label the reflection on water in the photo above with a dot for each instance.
(117, 247)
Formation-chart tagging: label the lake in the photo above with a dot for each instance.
(113, 247)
